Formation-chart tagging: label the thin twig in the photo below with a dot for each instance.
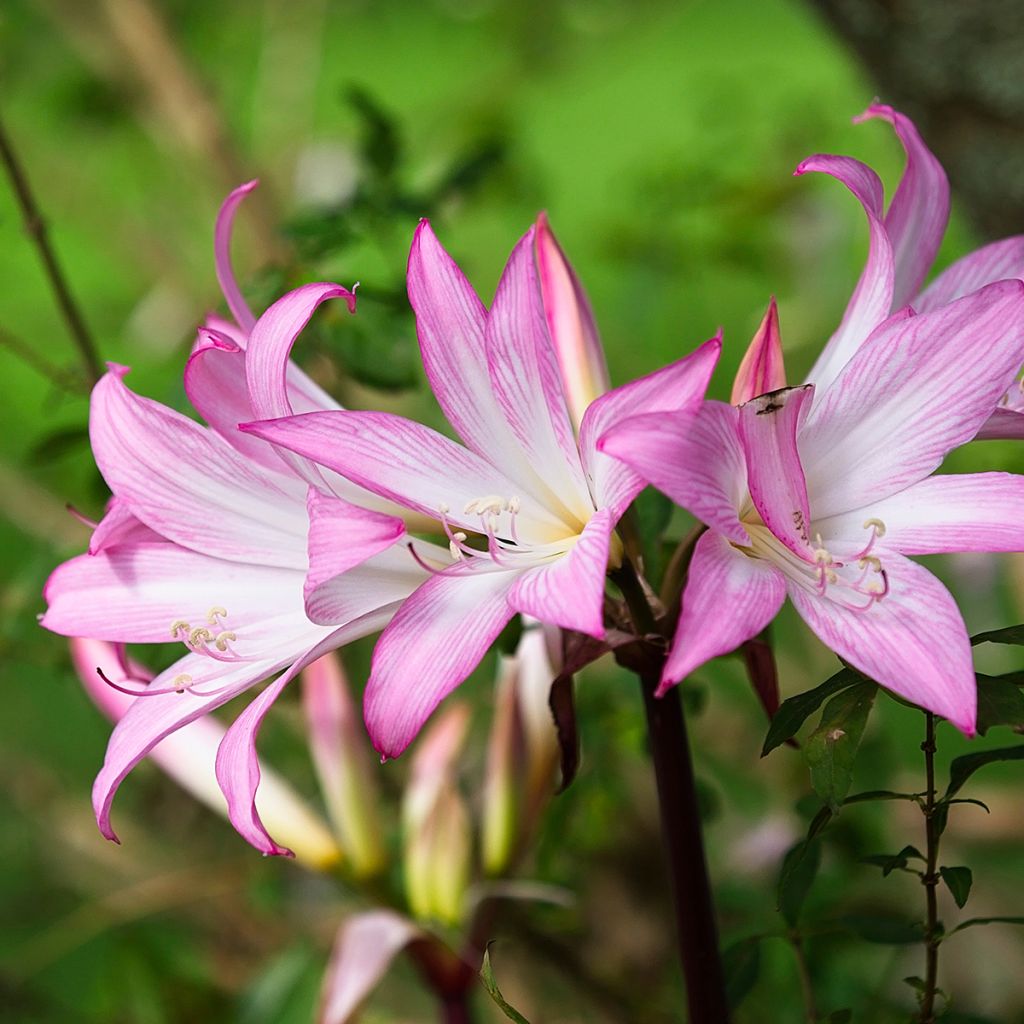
(35, 227)
(58, 376)
(804, 973)
(930, 877)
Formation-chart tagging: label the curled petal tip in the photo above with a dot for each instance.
(119, 370)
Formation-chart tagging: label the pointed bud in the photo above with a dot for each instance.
(503, 783)
(189, 755)
(341, 756)
(570, 324)
(435, 823)
(762, 369)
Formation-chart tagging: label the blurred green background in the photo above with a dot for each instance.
(660, 137)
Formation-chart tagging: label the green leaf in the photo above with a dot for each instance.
(889, 931)
(879, 794)
(964, 767)
(487, 976)
(1007, 635)
(796, 710)
(799, 868)
(890, 862)
(974, 922)
(958, 881)
(1000, 701)
(839, 1017)
(832, 748)
(741, 964)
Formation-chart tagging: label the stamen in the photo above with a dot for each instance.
(179, 684)
(420, 562)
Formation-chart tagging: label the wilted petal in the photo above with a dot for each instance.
(762, 369)
(697, 461)
(917, 216)
(570, 324)
(569, 592)
(434, 641)
(968, 512)
(729, 598)
(918, 388)
(912, 641)
(768, 428)
(222, 255)
(363, 951)
(871, 301)
(677, 388)
(994, 262)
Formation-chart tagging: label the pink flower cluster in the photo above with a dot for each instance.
(288, 526)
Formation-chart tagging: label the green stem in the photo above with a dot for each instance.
(806, 988)
(680, 823)
(930, 878)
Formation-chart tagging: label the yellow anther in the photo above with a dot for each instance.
(177, 626)
(870, 560)
(215, 614)
(181, 682)
(199, 636)
(877, 525)
(875, 587)
(822, 556)
(832, 576)
(514, 504)
(222, 639)
(445, 509)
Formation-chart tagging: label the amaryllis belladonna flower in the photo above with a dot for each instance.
(528, 505)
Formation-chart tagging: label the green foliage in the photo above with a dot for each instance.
(884, 929)
(799, 869)
(794, 711)
(487, 975)
(965, 766)
(1000, 701)
(741, 963)
(958, 881)
(831, 749)
(1013, 635)
(890, 862)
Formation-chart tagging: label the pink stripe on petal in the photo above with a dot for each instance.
(871, 301)
(696, 460)
(762, 369)
(768, 428)
(222, 256)
(913, 641)
(1002, 425)
(994, 262)
(919, 387)
(961, 512)
(569, 592)
(729, 598)
(434, 641)
(119, 526)
(917, 216)
(677, 388)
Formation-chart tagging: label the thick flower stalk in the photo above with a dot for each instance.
(822, 493)
(527, 507)
(217, 542)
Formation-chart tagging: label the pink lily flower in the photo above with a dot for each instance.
(904, 240)
(217, 541)
(528, 509)
(821, 493)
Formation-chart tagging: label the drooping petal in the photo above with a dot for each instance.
(768, 428)
(527, 382)
(917, 216)
(187, 484)
(996, 261)
(913, 641)
(409, 464)
(697, 461)
(188, 756)
(871, 301)
(343, 535)
(569, 592)
(968, 512)
(571, 324)
(434, 641)
(152, 718)
(238, 766)
(729, 598)
(119, 526)
(918, 388)
(762, 369)
(132, 594)
(678, 388)
(363, 951)
(222, 256)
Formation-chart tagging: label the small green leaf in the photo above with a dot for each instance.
(799, 868)
(832, 748)
(796, 710)
(974, 922)
(487, 976)
(879, 794)
(1000, 701)
(741, 964)
(890, 862)
(1007, 635)
(964, 767)
(958, 881)
(890, 931)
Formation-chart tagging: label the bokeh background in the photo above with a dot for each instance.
(660, 137)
